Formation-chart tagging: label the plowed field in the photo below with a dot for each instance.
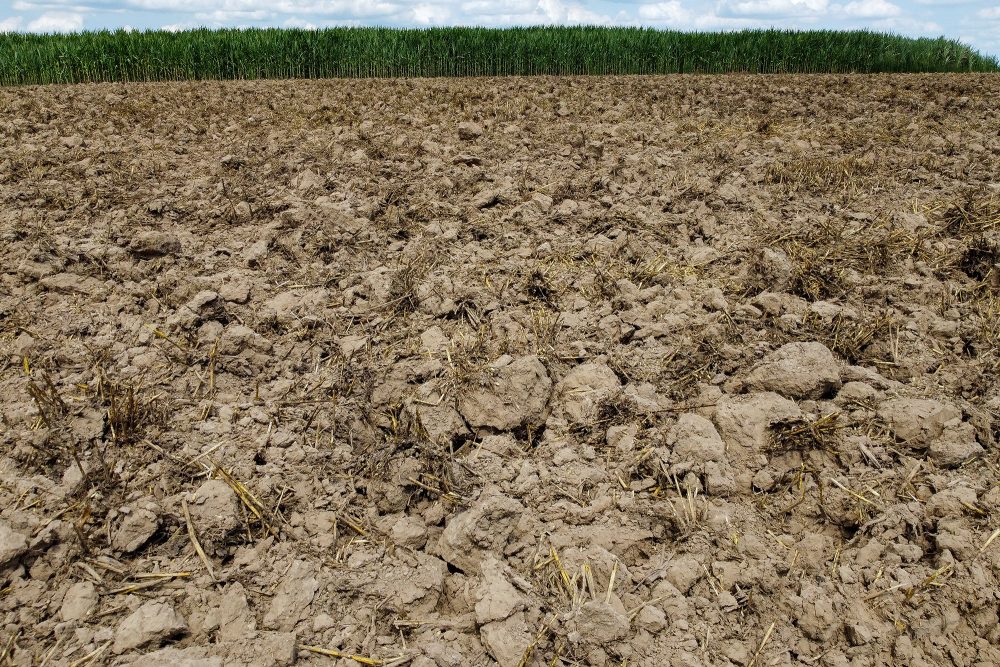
(588, 371)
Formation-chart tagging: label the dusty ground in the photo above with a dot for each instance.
(645, 371)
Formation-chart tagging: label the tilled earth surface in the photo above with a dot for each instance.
(606, 371)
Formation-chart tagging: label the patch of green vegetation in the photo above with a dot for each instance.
(388, 52)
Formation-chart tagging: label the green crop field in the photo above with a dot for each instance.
(387, 52)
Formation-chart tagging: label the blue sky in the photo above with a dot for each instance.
(975, 22)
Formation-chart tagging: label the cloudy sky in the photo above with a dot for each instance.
(975, 22)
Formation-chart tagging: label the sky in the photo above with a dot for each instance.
(974, 22)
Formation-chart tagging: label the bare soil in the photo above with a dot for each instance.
(604, 371)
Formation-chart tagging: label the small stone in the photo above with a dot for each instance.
(516, 395)
(468, 130)
(797, 370)
(695, 440)
(727, 602)
(13, 544)
(151, 624)
(287, 307)
(918, 421)
(858, 635)
(955, 446)
(215, 511)
(323, 622)
(434, 341)
(23, 345)
(745, 420)
(72, 283)
(307, 180)
(580, 393)
(409, 532)
(484, 527)
(293, 597)
(236, 621)
(622, 437)
(237, 338)
(135, 530)
(235, 292)
(80, 600)
(683, 572)
(275, 649)
(719, 480)
(208, 305)
(542, 202)
(775, 268)
(349, 345)
(652, 619)
(763, 480)
(150, 244)
(193, 656)
(854, 393)
(255, 253)
(597, 622)
(498, 598)
(507, 640)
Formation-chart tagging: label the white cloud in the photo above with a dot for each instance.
(11, 23)
(580, 15)
(780, 8)
(871, 9)
(906, 24)
(427, 14)
(667, 12)
(521, 12)
(424, 13)
(58, 5)
(342, 8)
(296, 22)
(177, 27)
(556, 11)
(220, 16)
(673, 14)
(989, 13)
(489, 8)
(57, 22)
(983, 36)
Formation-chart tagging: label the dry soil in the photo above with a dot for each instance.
(589, 371)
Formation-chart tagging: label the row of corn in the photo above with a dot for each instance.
(386, 52)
